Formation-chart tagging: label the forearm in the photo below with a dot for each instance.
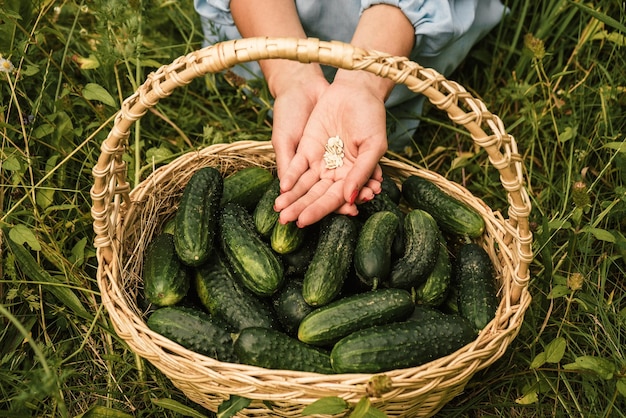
(396, 37)
(273, 18)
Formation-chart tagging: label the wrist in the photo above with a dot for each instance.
(284, 74)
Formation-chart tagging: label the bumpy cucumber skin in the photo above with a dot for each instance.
(400, 345)
(246, 186)
(276, 350)
(286, 238)
(289, 305)
(391, 188)
(373, 252)
(195, 330)
(251, 258)
(223, 297)
(264, 215)
(435, 289)
(452, 215)
(165, 278)
(473, 275)
(196, 216)
(422, 240)
(328, 324)
(331, 261)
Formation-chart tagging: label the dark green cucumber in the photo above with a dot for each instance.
(246, 186)
(273, 349)
(264, 215)
(286, 238)
(165, 278)
(391, 189)
(383, 202)
(197, 216)
(435, 289)
(331, 261)
(297, 262)
(222, 295)
(422, 240)
(400, 345)
(251, 258)
(328, 324)
(289, 305)
(195, 330)
(452, 215)
(473, 275)
(372, 255)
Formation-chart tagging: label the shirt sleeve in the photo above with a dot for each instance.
(216, 11)
(438, 23)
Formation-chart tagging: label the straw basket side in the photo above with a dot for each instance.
(125, 220)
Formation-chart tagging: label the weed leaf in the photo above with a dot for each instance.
(21, 234)
(600, 366)
(600, 234)
(330, 405)
(232, 405)
(177, 407)
(93, 91)
(621, 386)
(364, 409)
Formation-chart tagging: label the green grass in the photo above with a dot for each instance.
(554, 71)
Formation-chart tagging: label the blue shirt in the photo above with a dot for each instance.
(445, 31)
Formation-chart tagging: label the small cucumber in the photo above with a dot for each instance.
(383, 202)
(400, 345)
(435, 289)
(328, 324)
(372, 255)
(251, 258)
(477, 299)
(264, 215)
(331, 261)
(286, 238)
(452, 215)
(273, 349)
(196, 216)
(289, 305)
(165, 278)
(391, 188)
(195, 330)
(246, 186)
(422, 240)
(222, 295)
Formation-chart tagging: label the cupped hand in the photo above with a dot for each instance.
(310, 191)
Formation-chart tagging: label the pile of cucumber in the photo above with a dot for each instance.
(397, 286)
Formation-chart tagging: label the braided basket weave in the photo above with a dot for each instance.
(125, 220)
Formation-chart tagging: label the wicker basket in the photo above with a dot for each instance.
(124, 220)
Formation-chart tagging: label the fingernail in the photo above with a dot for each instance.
(353, 196)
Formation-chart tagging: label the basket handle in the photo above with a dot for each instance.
(110, 182)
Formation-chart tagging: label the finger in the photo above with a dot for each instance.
(284, 150)
(303, 185)
(323, 198)
(364, 167)
(365, 195)
(291, 176)
(348, 209)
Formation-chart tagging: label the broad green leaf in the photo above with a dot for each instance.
(44, 197)
(177, 407)
(602, 367)
(558, 291)
(538, 361)
(11, 163)
(559, 224)
(364, 409)
(158, 154)
(555, 350)
(567, 134)
(231, 406)
(93, 91)
(600, 234)
(330, 405)
(21, 234)
(618, 146)
(528, 398)
(78, 252)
